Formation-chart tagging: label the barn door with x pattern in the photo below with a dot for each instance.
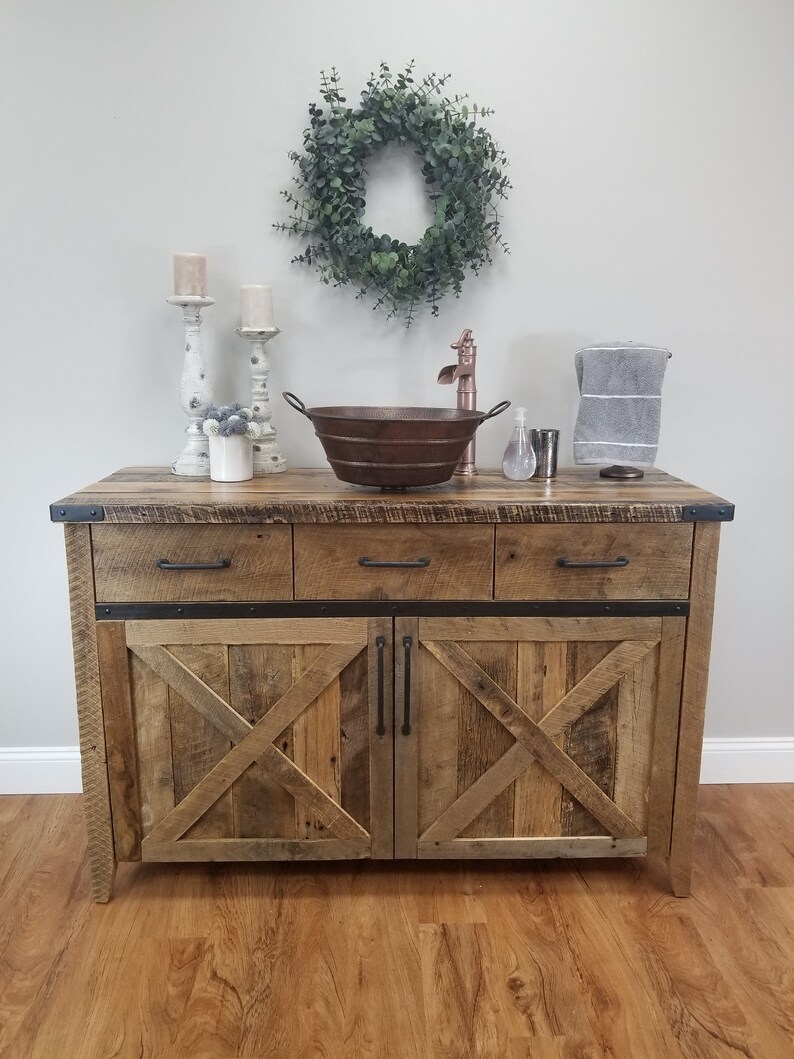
(535, 736)
(259, 739)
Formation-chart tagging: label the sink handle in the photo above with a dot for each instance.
(295, 402)
(496, 410)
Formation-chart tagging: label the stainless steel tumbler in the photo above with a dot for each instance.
(545, 444)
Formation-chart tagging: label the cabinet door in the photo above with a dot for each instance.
(248, 740)
(524, 737)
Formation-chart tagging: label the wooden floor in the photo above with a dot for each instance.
(514, 961)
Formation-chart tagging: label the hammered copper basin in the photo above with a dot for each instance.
(393, 448)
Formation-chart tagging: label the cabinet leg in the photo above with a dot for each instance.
(98, 821)
(693, 704)
(681, 877)
(102, 862)
(96, 796)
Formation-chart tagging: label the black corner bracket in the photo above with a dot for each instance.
(77, 513)
(708, 513)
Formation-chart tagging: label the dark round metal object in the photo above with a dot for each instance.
(393, 447)
(620, 470)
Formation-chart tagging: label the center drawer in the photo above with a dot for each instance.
(393, 562)
(139, 564)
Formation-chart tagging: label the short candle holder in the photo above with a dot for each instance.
(267, 455)
(195, 393)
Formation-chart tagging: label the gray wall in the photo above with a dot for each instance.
(652, 154)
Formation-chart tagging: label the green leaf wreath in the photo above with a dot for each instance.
(462, 166)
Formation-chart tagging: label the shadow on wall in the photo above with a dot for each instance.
(539, 374)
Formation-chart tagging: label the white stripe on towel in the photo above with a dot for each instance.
(625, 396)
(624, 444)
(602, 349)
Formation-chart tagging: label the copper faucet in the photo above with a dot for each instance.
(463, 371)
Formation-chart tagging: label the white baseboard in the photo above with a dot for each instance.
(40, 770)
(747, 761)
(56, 769)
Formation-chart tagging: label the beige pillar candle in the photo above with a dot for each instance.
(190, 274)
(256, 308)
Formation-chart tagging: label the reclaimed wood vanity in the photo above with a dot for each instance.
(292, 668)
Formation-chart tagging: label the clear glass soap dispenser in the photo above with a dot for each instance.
(518, 462)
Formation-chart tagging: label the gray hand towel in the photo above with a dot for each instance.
(621, 403)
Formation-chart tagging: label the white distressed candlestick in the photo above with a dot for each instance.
(267, 455)
(195, 393)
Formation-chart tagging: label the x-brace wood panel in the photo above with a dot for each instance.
(534, 740)
(252, 742)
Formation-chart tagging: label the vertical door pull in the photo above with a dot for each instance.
(380, 643)
(407, 644)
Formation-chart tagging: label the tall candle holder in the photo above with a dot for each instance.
(194, 391)
(267, 455)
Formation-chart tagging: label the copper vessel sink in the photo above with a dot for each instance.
(394, 448)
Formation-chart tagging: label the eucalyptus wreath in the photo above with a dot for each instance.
(462, 166)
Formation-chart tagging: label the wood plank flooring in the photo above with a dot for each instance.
(438, 961)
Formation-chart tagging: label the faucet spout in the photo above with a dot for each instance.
(453, 373)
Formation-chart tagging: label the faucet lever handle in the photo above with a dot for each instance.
(464, 340)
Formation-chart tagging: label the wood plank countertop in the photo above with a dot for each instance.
(314, 495)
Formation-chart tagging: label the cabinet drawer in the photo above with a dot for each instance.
(528, 561)
(456, 562)
(257, 563)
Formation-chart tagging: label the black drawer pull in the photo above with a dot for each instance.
(166, 564)
(570, 564)
(422, 561)
(407, 644)
(380, 643)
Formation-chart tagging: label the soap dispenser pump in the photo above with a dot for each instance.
(518, 462)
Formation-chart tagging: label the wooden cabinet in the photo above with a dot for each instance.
(246, 740)
(483, 669)
(537, 736)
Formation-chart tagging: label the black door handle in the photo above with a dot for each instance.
(571, 564)
(380, 643)
(422, 561)
(407, 645)
(166, 564)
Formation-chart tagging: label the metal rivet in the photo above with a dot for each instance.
(179, 610)
(92, 512)
(107, 610)
(721, 511)
(63, 511)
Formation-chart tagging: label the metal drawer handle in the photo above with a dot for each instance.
(422, 561)
(166, 564)
(570, 564)
(407, 644)
(380, 643)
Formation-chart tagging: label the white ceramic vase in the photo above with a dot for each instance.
(231, 458)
